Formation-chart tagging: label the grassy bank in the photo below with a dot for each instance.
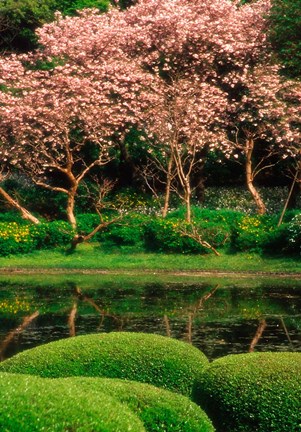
(91, 257)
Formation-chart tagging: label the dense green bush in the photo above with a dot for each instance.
(87, 222)
(15, 238)
(23, 237)
(173, 234)
(52, 234)
(253, 392)
(32, 404)
(11, 216)
(127, 232)
(159, 410)
(223, 229)
(253, 232)
(261, 234)
(162, 235)
(148, 358)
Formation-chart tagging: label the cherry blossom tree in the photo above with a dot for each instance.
(190, 74)
(193, 50)
(49, 118)
(266, 117)
(196, 49)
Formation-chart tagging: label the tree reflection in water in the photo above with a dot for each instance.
(219, 318)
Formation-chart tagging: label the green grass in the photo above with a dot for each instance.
(91, 257)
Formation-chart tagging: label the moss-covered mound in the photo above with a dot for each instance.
(159, 409)
(253, 392)
(148, 358)
(30, 404)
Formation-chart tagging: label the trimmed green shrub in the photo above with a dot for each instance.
(159, 410)
(31, 404)
(148, 358)
(253, 392)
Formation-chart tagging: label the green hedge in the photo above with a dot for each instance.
(30, 404)
(228, 230)
(253, 392)
(148, 358)
(159, 410)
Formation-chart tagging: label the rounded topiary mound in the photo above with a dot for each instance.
(253, 392)
(148, 358)
(30, 404)
(159, 409)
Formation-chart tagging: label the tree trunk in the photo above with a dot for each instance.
(261, 327)
(25, 213)
(261, 208)
(288, 199)
(187, 198)
(167, 190)
(198, 174)
(296, 189)
(70, 207)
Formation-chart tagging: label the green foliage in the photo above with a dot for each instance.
(283, 239)
(20, 18)
(162, 235)
(173, 234)
(285, 34)
(31, 404)
(52, 234)
(147, 358)
(23, 237)
(15, 238)
(253, 392)
(260, 234)
(11, 217)
(127, 232)
(41, 201)
(253, 232)
(87, 222)
(68, 7)
(159, 410)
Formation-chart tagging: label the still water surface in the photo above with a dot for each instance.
(218, 316)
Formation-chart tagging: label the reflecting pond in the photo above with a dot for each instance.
(219, 316)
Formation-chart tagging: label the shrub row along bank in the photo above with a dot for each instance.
(223, 229)
(247, 392)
